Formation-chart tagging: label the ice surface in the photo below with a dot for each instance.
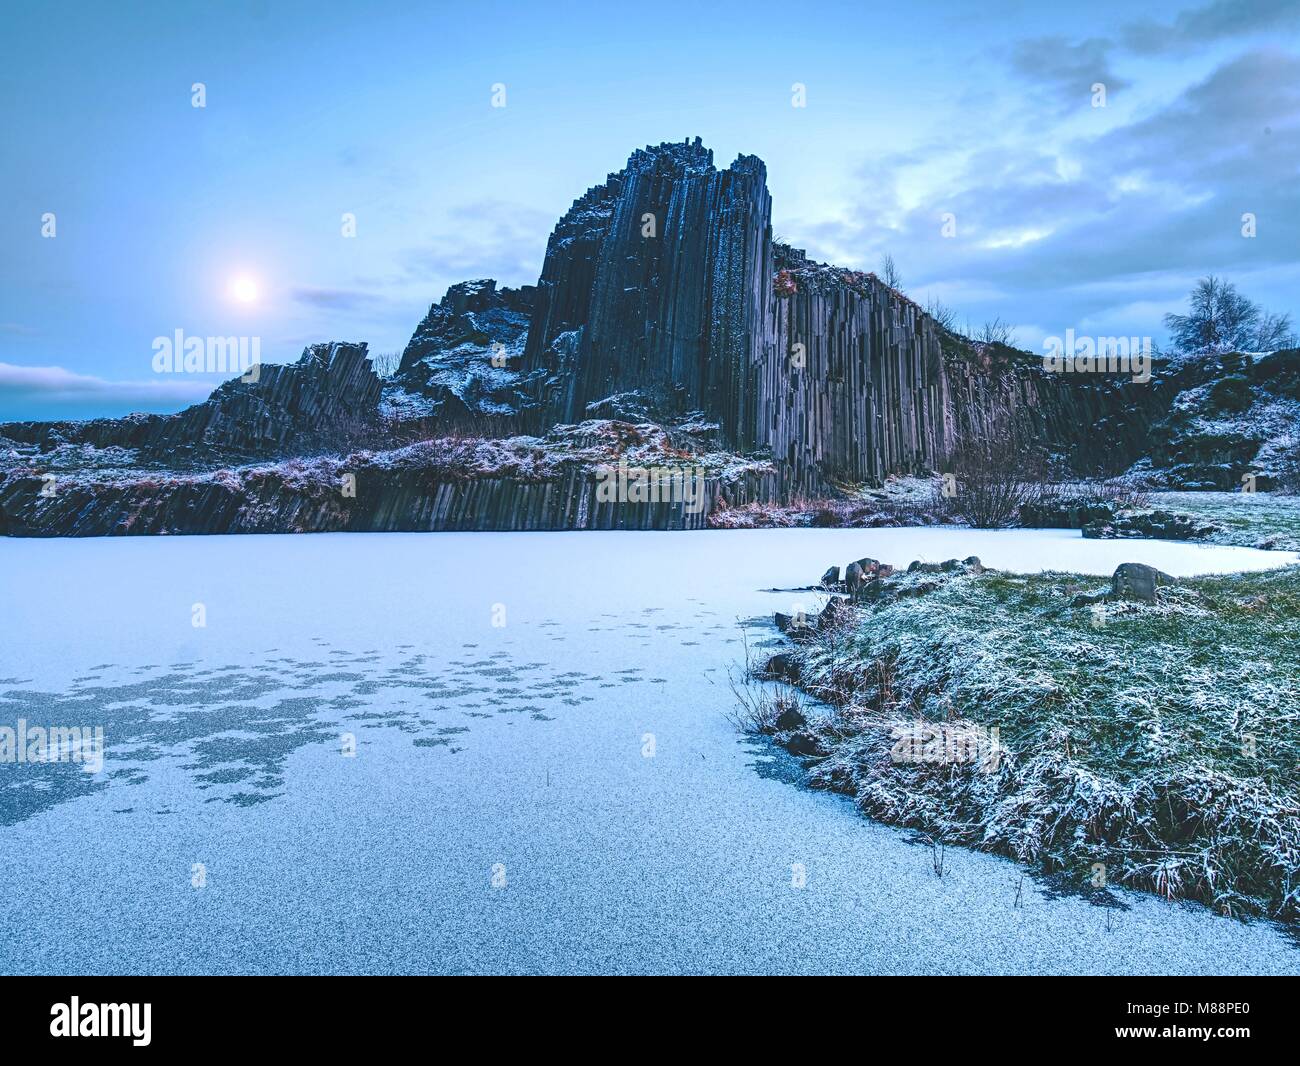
(521, 745)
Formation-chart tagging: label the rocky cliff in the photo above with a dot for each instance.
(461, 366)
(655, 287)
(662, 302)
(330, 394)
(559, 481)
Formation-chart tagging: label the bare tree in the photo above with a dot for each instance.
(943, 315)
(889, 272)
(994, 331)
(1220, 319)
(1275, 332)
(385, 364)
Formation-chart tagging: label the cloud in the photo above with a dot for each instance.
(1057, 228)
(1068, 69)
(492, 239)
(1216, 21)
(336, 299)
(52, 391)
(1223, 118)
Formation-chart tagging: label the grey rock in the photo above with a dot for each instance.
(464, 359)
(837, 611)
(1154, 524)
(861, 576)
(789, 624)
(1089, 599)
(1137, 581)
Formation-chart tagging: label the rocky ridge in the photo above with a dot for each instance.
(663, 300)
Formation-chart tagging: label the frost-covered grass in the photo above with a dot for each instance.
(449, 457)
(851, 513)
(1256, 520)
(900, 501)
(1159, 741)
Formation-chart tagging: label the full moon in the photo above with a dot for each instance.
(243, 289)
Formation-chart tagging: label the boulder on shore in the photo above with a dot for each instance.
(1137, 581)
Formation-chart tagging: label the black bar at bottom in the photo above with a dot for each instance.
(352, 1013)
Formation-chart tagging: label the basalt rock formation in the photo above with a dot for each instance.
(662, 292)
(461, 366)
(328, 394)
(559, 481)
(663, 306)
(656, 283)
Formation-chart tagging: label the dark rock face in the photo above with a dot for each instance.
(521, 483)
(1229, 420)
(853, 383)
(655, 283)
(474, 313)
(332, 387)
(464, 358)
(662, 288)
(1071, 512)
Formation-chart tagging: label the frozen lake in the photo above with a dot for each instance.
(559, 793)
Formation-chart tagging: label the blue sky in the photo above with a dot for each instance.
(1067, 215)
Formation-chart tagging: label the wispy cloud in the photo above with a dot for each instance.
(54, 392)
(1068, 69)
(1217, 21)
(1092, 224)
(337, 299)
(493, 239)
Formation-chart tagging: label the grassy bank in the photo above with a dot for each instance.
(1253, 520)
(1150, 745)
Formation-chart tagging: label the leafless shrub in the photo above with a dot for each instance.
(943, 315)
(1122, 494)
(994, 478)
(757, 706)
(994, 331)
(842, 513)
(938, 850)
